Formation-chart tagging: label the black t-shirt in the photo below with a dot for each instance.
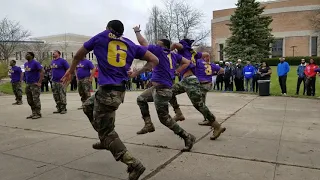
(264, 71)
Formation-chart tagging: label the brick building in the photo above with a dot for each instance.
(292, 28)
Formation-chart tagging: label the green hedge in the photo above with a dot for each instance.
(294, 61)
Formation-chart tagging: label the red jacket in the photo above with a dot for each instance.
(96, 73)
(310, 70)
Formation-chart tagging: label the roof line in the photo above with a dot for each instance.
(63, 34)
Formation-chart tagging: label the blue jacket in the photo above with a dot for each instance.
(300, 71)
(248, 71)
(283, 68)
(317, 70)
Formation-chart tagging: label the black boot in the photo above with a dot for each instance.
(189, 140)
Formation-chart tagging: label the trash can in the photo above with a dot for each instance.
(264, 87)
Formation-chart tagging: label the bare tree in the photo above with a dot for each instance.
(64, 47)
(41, 51)
(176, 21)
(203, 47)
(11, 35)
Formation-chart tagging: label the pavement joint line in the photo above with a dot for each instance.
(91, 172)
(159, 168)
(257, 160)
(283, 121)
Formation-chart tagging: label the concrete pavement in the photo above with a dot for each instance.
(267, 138)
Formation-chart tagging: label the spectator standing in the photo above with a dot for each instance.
(96, 76)
(255, 78)
(248, 72)
(311, 74)
(220, 77)
(301, 77)
(45, 82)
(283, 69)
(228, 73)
(264, 71)
(238, 80)
(74, 84)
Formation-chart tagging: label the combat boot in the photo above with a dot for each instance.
(217, 130)
(148, 126)
(205, 123)
(179, 116)
(98, 146)
(135, 167)
(19, 103)
(189, 140)
(37, 116)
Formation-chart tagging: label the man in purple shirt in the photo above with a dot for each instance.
(115, 55)
(84, 77)
(59, 67)
(16, 76)
(34, 75)
(191, 85)
(204, 71)
(160, 93)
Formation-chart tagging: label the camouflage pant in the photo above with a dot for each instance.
(33, 97)
(101, 111)
(17, 90)
(59, 95)
(84, 86)
(205, 88)
(161, 98)
(192, 87)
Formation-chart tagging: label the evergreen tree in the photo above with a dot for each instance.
(251, 35)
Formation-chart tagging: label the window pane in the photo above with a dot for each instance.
(277, 50)
(314, 46)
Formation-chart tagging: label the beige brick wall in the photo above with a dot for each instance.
(302, 43)
(285, 22)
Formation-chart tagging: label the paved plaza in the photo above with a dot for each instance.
(267, 138)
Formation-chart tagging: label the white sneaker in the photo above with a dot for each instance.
(284, 94)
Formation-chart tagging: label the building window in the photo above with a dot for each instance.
(314, 46)
(277, 48)
(221, 52)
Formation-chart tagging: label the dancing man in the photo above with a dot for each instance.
(84, 77)
(161, 91)
(191, 85)
(34, 75)
(204, 71)
(16, 76)
(115, 55)
(59, 67)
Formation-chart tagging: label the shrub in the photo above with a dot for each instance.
(3, 70)
(293, 61)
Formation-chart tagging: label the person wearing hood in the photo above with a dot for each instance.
(301, 77)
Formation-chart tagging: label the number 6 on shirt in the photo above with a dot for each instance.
(117, 54)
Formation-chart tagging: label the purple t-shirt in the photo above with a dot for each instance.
(83, 69)
(164, 71)
(59, 67)
(190, 54)
(32, 71)
(114, 55)
(15, 74)
(204, 71)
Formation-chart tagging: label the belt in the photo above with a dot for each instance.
(190, 76)
(114, 87)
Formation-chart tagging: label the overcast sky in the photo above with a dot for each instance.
(49, 17)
